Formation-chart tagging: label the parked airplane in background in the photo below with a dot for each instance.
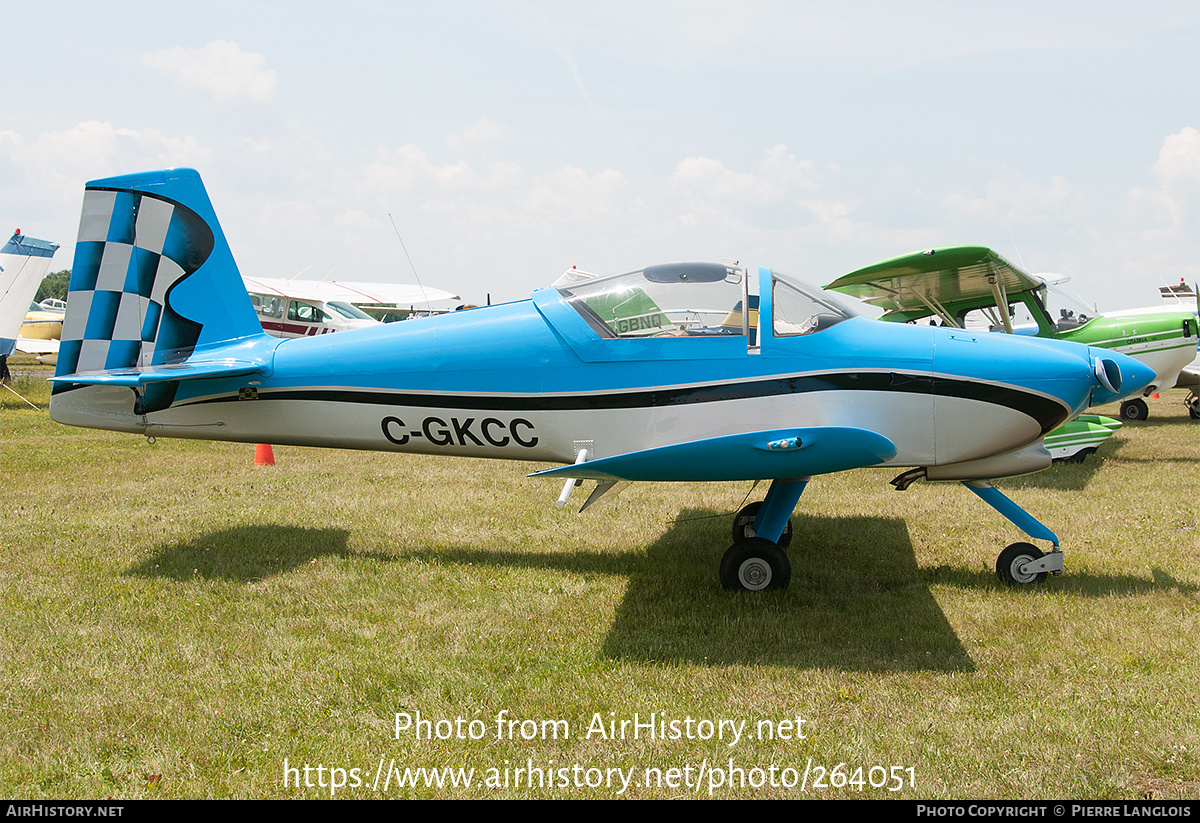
(651, 375)
(41, 330)
(950, 282)
(304, 308)
(23, 264)
(1074, 440)
(41, 323)
(1176, 299)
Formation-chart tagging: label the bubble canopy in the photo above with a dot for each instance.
(693, 300)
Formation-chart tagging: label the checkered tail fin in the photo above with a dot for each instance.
(153, 282)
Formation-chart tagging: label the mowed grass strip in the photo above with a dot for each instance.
(179, 623)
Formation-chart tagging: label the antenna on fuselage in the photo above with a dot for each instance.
(428, 305)
(297, 274)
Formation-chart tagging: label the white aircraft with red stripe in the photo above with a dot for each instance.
(306, 308)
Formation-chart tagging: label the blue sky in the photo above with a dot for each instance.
(508, 141)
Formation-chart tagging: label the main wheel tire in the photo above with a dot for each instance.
(755, 565)
(1135, 409)
(1008, 564)
(743, 525)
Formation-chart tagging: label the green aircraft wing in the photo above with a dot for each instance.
(938, 281)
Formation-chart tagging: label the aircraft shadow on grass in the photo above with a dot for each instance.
(857, 601)
(245, 554)
(870, 611)
(1076, 583)
(847, 607)
(858, 598)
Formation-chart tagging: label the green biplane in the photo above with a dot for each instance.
(950, 282)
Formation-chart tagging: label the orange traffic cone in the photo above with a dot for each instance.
(263, 455)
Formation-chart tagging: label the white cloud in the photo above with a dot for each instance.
(571, 195)
(1174, 206)
(221, 67)
(1009, 199)
(408, 169)
(355, 219)
(55, 164)
(1158, 241)
(779, 193)
(481, 131)
(779, 177)
(1178, 172)
(1179, 158)
(503, 198)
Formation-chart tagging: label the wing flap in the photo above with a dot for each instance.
(32, 345)
(761, 455)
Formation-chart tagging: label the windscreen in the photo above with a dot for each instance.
(801, 309)
(669, 300)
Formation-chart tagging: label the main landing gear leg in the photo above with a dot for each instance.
(759, 563)
(1020, 563)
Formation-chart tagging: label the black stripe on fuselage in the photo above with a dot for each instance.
(1049, 413)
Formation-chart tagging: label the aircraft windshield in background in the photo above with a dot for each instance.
(654, 375)
(950, 282)
(304, 308)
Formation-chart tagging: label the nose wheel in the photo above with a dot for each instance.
(1022, 564)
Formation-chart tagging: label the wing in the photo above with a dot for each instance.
(350, 292)
(761, 455)
(1189, 375)
(922, 283)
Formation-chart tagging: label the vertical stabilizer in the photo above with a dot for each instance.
(153, 281)
(23, 264)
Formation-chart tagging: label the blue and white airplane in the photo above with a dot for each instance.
(652, 375)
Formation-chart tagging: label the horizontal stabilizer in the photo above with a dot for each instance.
(762, 455)
(165, 373)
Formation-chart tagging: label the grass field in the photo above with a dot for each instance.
(177, 623)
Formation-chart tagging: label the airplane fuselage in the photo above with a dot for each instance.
(531, 381)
